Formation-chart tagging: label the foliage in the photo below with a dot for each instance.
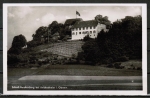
(19, 41)
(33, 43)
(86, 38)
(121, 42)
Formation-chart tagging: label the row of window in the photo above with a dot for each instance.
(85, 32)
(82, 28)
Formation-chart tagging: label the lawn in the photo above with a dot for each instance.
(81, 70)
(75, 70)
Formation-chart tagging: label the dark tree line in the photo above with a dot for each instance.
(122, 42)
(45, 34)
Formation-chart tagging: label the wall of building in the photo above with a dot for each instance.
(100, 27)
(80, 33)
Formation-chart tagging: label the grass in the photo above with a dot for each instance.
(87, 70)
(79, 70)
(82, 70)
(63, 48)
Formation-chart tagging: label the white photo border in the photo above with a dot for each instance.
(76, 92)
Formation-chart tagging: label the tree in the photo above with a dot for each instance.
(18, 42)
(86, 38)
(122, 42)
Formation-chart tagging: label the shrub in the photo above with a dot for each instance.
(12, 59)
(82, 62)
(89, 63)
(73, 56)
(123, 59)
(80, 56)
(110, 65)
(139, 68)
(117, 65)
(86, 38)
(107, 60)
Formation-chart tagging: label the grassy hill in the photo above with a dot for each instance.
(66, 49)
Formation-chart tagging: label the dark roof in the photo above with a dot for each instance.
(88, 23)
(72, 21)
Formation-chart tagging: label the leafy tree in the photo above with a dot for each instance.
(122, 42)
(86, 38)
(18, 42)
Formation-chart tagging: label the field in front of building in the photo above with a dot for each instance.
(14, 75)
(82, 70)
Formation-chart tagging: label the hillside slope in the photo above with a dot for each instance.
(66, 49)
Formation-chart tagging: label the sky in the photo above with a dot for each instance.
(26, 20)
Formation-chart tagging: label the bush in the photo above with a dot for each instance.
(86, 38)
(12, 59)
(33, 43)
(139, 68)
(107, 61)
(89, 63)
(71, 61)
(117, 65)
(73, 56)
(80, 56)
(81, 62)
(123, 59)
(110, 65)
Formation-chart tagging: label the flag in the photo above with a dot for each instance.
(77, 13)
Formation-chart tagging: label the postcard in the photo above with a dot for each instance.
(75, 49)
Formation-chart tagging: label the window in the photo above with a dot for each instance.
(94, 34)
(79, 28)
(90, 32)
(84, 32)
(86, 27)
(94, 27)
(91, 27)
(76, 33)
(79, 32)
(72, 33)
(83, 28)
(94, 31)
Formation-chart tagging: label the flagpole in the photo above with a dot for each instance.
(76, 14)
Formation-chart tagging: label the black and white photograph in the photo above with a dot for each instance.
(75, 49)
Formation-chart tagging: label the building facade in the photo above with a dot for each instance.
(83, 28)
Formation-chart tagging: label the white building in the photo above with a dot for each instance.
(82, 28)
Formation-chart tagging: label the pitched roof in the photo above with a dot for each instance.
(72, 21)
(88, 23)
